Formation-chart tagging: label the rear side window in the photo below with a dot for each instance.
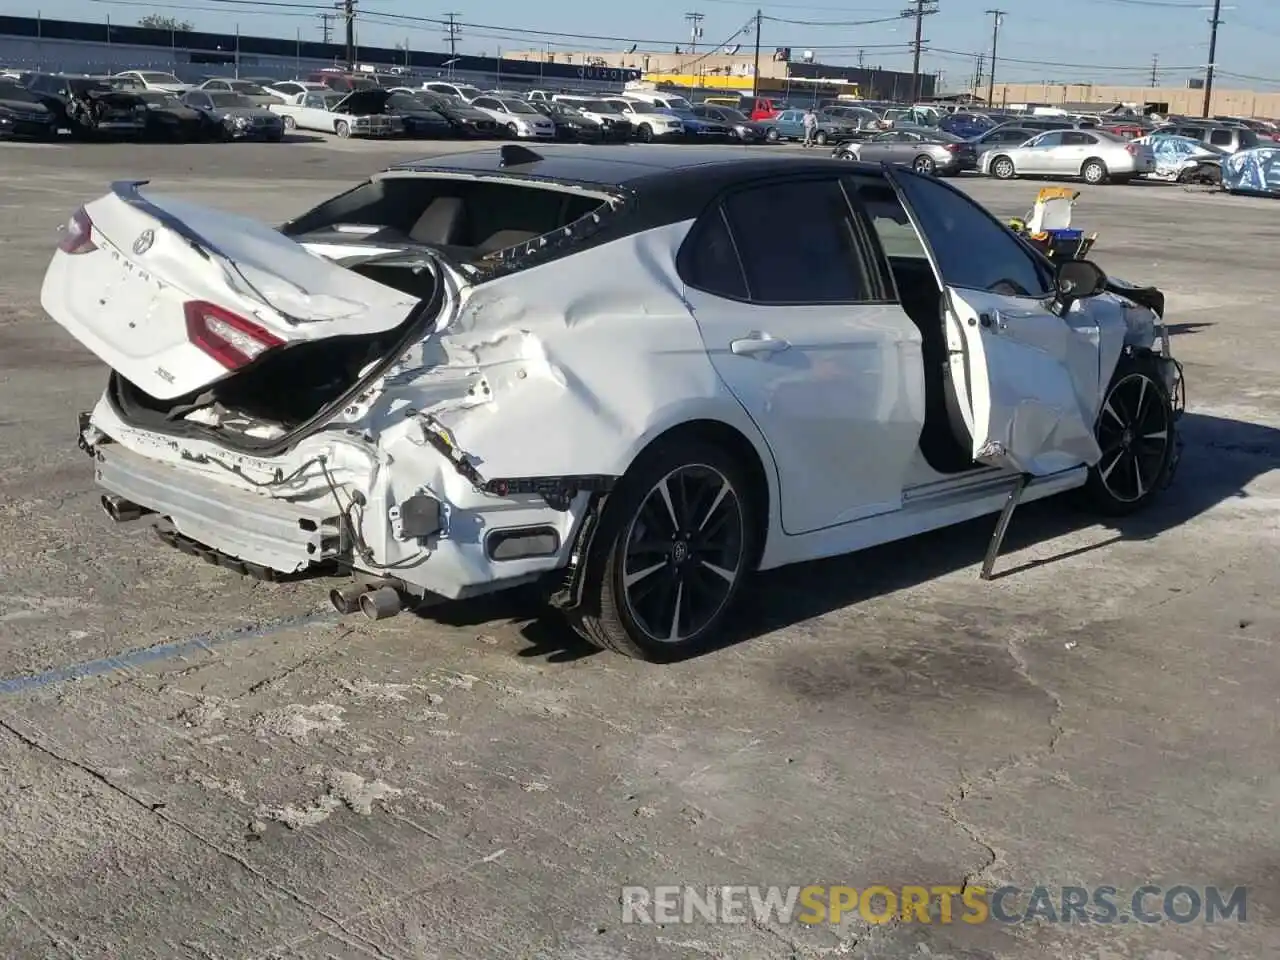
(1073, 138)
(710, 261)
(796, 241)
(1221, 138)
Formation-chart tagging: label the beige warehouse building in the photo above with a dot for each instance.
(1183, 100)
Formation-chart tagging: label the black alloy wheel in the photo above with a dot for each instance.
(676, 541)
(683, 553)
(1136, 433)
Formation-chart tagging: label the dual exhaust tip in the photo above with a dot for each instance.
(376, 603)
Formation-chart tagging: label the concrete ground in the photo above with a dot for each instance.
(195, 765)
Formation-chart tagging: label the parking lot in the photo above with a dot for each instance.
(198, 765)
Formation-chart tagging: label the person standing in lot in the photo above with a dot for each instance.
(810, 126)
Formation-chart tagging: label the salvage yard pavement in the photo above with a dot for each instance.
(193, 764)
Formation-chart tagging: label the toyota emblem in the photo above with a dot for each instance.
(145, 239)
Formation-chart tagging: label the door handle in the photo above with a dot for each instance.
(758, 345)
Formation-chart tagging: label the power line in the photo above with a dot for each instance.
(1155, 71)
(326, 19)
(452, 33)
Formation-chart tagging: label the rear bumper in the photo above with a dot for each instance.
(246, 530)
(282, 535)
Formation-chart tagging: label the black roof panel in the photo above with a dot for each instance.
(630, 165)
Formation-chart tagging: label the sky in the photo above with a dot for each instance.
(1070, 41)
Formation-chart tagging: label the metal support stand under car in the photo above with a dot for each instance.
(1002, 526)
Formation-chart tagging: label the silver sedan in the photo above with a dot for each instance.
(928, 152)
(1094, 156)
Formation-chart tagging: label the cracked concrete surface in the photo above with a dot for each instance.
(193, 765)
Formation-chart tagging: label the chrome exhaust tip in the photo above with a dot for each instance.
(121, 510)
(381, 603)
(347, 599)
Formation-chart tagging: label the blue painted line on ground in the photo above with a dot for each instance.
(201, 642)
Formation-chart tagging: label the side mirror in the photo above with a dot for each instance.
(1077, 280)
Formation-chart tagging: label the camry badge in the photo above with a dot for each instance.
(145, 239)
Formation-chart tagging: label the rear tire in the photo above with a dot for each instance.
(1094, 171)
(820, 138)
(1137, 432)
(924, 165)
(677, 540)
(1002, 168)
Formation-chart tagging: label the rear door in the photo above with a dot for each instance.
(1037, 156)
(175, 296)
(798, 326)
(1029, 384)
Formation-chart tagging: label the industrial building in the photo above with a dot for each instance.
(1188, 101)
(782, 70)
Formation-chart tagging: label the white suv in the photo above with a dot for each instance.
(647, 120)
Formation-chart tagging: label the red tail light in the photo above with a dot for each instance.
(230, 339)
(1132, 148)
(77, 235)
(952, 147)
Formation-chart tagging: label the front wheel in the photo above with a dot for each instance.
(771, 135)
(290, 123)
(646, 133)
(820, 138)
(1002, 168)
(343, 130)
(676, 542)
(1137, 434)
(1094, 172)
(924, 165)
(513, 131)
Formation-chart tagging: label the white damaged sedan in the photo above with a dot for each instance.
(634, 377)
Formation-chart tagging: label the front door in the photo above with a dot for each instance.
(1028, 381)
(1037, 157)
(798, 328)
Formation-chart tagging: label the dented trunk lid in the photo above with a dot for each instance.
(175, 296)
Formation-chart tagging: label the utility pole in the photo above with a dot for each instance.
(349, 15)
(326, 26)
(979, 72)
(862, 56)
(1155, 71)
(1213, 52)
(921, 10)
(755, 72)
(997, 18)
(694, 19)
(453, 33)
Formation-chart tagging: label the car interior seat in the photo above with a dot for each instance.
(441, 222)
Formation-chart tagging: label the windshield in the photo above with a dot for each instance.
(89, 86)
(469, 93)
(737, 116)
(517, 106)
(405, 101)
(230, 101)
(9, 90)
(151, 77)
(678, 103)
(331, 100)
(248, 88)
(597, 106)
(160, 99)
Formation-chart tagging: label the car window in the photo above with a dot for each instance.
(1074, 138)
(710, 260)
(796, 241)
(486, 103)
(1048, 140)
(880, 202)
(1221, 138)
(314, 100)
(972, 250)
